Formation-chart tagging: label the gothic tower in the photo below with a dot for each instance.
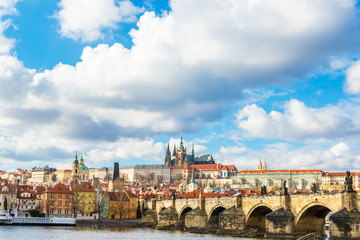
(168, 157)
(180, 154)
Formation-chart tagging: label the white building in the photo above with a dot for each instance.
(141, 173)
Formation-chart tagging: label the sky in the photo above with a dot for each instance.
(241, 80)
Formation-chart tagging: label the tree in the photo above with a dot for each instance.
(5, 204)
(102, 200)
(53, 177)
(118, 205)
(159, 179)
(76, 205)
(48, 202)
(151, 178)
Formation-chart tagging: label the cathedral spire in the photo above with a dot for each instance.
(181, 144)
(168, 156)
(174, 152)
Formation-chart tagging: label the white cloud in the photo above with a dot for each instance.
(341, 156)
(352, 84)
(7, 7)
(86, 19)
(184, 69)
(299, 122)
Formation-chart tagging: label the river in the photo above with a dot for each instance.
(100, 233)
(96, 233)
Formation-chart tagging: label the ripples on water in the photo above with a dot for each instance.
(96, 233)
(100, 233)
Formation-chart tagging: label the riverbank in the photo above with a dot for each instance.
(129, 223)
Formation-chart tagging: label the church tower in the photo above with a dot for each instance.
(168, 157)
(180, 154)
(264, 165)
(259, 166)
(75, 172)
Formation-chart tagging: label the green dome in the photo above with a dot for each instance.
(83, 167)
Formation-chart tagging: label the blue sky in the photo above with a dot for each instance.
(118, 80)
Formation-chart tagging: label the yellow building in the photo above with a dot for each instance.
(63, 174)
(83, 200)
(123, 205)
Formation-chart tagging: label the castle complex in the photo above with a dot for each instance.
(179, 158)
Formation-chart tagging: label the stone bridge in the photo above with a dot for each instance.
(276, 215)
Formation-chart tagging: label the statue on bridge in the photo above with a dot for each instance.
(314, 188)
(173, 195)
(263, 190)
(285, 189)
(348, 183)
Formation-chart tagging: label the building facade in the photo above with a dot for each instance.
(38, 174)
(146, 173)
(334, 181)
(57, 201)
(295, 180)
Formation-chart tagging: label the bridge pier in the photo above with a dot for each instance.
(195, 219)
(232, 220)
(280, 223)
(345, 224)
(167, 218)
(150, 217)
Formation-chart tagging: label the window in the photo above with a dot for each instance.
(59, 211)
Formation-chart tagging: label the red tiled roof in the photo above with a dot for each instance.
(59, 188)
(207, 167)
(82, 187)
(185, 167)
(340, 174)
(196, 194)
(285, 171)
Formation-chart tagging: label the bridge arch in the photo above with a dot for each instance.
(214, 215)
(311, 218)
(256, 216)
(182, 214)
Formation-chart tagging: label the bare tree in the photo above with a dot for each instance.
(76, 204)
(120, 203)
(151, 178)
(102, 199)
(159, 179)
(48, 202)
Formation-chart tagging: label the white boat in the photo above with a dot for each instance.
(36, 221)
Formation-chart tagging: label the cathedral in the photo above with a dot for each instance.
(179, 158)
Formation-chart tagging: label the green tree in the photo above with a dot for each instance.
(53, 177)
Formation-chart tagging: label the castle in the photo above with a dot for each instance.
(179, 158)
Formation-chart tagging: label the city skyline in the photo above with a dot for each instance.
(119, 80)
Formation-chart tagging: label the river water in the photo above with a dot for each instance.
(97, 233)
(100, 233)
